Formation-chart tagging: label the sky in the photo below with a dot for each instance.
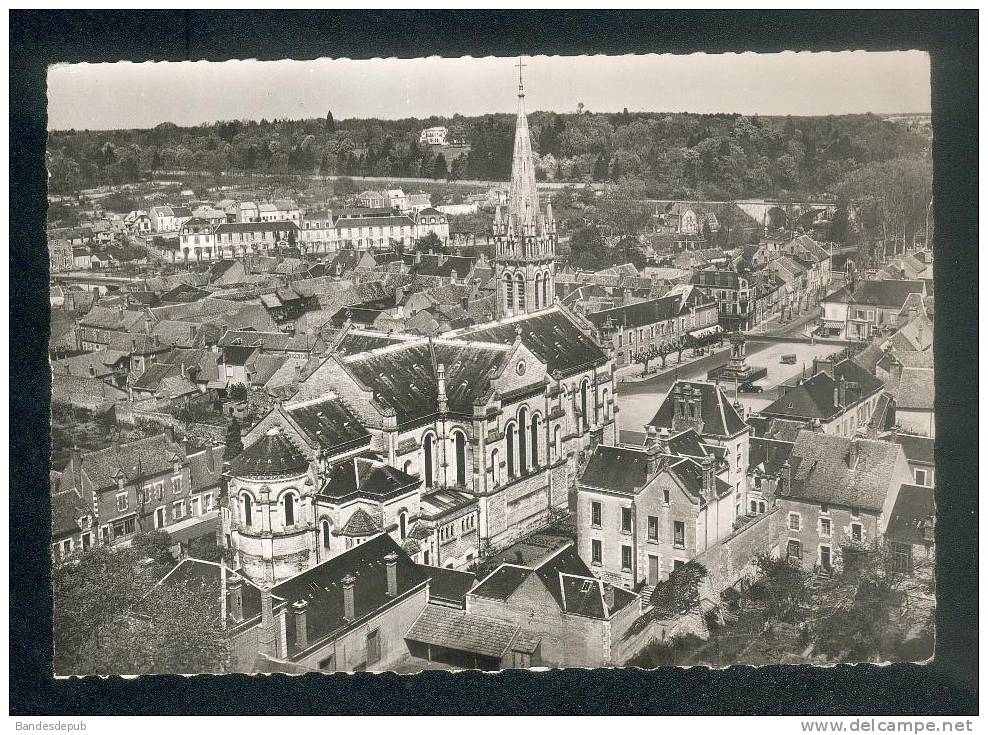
(128, 95)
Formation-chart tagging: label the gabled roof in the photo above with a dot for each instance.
(814, 397)
(918, 449)
(143, 458)
(551, 334)
(913, 512)
(916, 389)
(825, 469)
(567, 579)
(890, 294)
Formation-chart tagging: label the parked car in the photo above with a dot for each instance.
(750, 388)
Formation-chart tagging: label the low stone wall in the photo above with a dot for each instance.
(732, 559)
(132, 415)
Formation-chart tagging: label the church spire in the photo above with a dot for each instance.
(523, 195)
(524, 237)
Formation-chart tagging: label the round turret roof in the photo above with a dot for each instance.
(273, 455)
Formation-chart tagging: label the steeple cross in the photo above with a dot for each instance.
(521, 85)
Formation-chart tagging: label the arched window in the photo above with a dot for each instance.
(585, 403)
(402, 525)
(538, 289)
(557, 441)
(427, 458)
(522, 440)
(545, 290)
(509, 290)
(510, 440)
(495, 468)
(520, 291)
(289, 506)
(607, 408)
(536, 424)
(407, 467)
(460, 441)
(326, 530)
(248, 510)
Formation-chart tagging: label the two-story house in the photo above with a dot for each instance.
(838, 491)
(644, 511)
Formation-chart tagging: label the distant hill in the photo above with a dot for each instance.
(724, 156)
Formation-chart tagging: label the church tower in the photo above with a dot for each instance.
(524, 236)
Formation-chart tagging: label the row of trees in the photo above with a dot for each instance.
(664, 349)
(678, 155)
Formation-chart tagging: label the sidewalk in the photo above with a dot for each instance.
(624, 374)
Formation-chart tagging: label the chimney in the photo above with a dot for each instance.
(823, 366)
(852, 454)
(147, 324)
(235, 599)
(301, 633)
(654, 458)
(348, 607)
(391, 562)
(785, 478)
(709, 477)
(266, 634)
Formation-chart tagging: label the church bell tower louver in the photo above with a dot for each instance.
(524, 236)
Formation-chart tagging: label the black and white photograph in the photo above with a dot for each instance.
(521, 362)
(491, 363)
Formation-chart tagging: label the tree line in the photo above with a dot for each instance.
(678, 156)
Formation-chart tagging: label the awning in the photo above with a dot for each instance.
(456, 630)
(833, 323)
(706, 331)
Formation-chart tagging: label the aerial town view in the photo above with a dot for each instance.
(542, 385)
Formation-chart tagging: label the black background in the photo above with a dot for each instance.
(947, 686)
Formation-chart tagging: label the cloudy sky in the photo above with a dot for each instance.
(126, 95)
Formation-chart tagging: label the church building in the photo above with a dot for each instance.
(456, 445)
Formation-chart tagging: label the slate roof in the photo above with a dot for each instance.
(821, 470)
(889, 294)
(566, 577)
(550, 334)
(457, 630)
(621, 469)
(768, 455)
(918, 449)
(914, 509)
(360, 524)
(366, 478)
(67, 507)
(449, 585)
(280, 226)
(143, 458)
(321, 586)
(90, 364)
(639, 314)
(500, 584)
(405, 378)
(917, 334)
(204, 472)
(328, 423)
(91, 393)
(814, 397)
(272, 455)
(915, 390)
(719, 417)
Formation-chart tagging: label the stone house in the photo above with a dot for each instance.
(837, 491)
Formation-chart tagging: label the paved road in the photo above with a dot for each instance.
(640, 400)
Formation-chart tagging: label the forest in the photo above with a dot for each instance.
(672, 155)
